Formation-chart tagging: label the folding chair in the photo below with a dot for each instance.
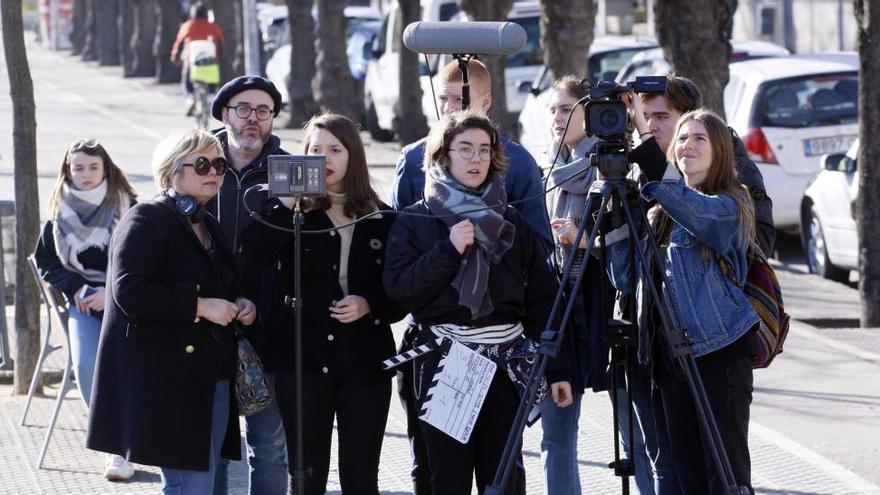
(55, 305)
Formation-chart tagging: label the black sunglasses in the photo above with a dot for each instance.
(202, 165)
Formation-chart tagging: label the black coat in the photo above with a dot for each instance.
(323, 337)
(156, 367)
(421, 263)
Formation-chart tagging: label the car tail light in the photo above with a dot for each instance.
(758, 148)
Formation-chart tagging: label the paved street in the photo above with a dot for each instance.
(816, 411)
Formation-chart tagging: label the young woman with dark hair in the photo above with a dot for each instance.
(477, 274)
(704, 224)
(346, 312)
(90, 196)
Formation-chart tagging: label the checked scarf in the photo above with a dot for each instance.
(85, 219)
(493, 235)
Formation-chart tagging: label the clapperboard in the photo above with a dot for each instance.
(453, 401)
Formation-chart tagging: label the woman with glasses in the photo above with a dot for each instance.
(470, 270)
(90, 195)
(167, 355)
(346, 330)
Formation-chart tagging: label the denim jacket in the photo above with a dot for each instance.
(713, 310)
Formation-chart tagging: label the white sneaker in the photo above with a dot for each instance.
(117, 468)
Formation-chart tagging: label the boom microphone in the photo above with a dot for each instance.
(488, 38)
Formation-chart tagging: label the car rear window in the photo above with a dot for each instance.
(810, 101)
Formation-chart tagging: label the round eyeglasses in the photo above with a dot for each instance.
(244, 111)
(202, 165)
(468, 152)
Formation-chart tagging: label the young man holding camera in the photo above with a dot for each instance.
(662, 112)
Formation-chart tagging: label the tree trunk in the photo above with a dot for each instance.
(108, 34)
(333, 84)
(90, 40)
(126, 33)
(301, 101)
(143, 63)
(411, 123)
(496, 11)
(695, 38)
(566, 35)
(238, 60)
(867, 202)
(78, 31)
(27, 199)
(166, 30)
(227, 18)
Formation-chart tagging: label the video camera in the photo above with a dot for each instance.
(606, 118)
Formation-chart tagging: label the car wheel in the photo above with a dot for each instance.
(372, 121)
(817, 253)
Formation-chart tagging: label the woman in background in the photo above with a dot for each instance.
(90, 195)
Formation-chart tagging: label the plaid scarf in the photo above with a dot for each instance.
(85, 219)
(493, 235)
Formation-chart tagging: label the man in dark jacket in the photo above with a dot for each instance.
(247, 106)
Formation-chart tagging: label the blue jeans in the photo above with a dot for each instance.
(266, 452)
(559, 446)
(84, 333)
(188, 482)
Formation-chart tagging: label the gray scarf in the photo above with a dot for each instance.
(493, 235)
(574, 175)
(85, 219)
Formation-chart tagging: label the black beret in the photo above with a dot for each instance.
(244, 83)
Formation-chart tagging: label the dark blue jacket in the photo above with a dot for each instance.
(522, 180)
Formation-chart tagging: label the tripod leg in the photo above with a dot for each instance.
(550, 341)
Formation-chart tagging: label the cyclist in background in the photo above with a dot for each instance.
(197, 28)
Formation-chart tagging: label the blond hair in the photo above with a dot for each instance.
(168, 155)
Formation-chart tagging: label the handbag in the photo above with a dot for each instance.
(253, 392)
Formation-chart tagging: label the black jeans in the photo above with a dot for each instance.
(453, 465)
(359, 401)
(727, 378)
(420, 471)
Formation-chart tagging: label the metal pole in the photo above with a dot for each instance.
(251, 35)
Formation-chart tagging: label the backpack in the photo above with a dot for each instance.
(762, 289)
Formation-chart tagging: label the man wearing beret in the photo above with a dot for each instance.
(247, 106)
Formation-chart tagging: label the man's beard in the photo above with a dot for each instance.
(248, 143)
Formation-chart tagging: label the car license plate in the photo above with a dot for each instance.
(821, 146)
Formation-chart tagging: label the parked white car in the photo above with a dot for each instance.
(652, 62)
(828, 226)
(789, 112)
(606, 57)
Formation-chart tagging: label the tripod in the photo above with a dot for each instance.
(613, 188)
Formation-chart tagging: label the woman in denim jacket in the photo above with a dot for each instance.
(702, 220)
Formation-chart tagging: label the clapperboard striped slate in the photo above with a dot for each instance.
(411, 354)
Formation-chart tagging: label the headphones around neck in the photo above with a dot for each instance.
(187, 206)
